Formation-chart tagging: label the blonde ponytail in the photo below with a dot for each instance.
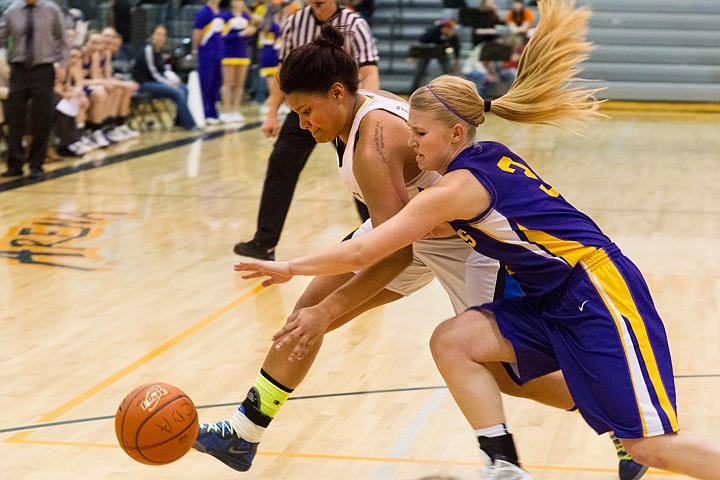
(546, 90)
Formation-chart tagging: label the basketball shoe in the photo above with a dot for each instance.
(222, 442)
(502, 470)
(628, 469)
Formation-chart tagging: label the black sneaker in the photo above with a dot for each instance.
(12, 172)
(36, 174)
(254, 250)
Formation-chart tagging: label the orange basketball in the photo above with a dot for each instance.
(156, 424)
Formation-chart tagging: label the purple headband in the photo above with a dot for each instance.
(455, 112)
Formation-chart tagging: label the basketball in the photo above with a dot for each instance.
(156, 424)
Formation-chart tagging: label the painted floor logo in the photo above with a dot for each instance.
(55, 240)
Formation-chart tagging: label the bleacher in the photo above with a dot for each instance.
(646, 50)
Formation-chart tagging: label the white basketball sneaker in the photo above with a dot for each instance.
(502, 470)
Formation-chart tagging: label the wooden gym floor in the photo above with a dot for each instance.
(117, 271)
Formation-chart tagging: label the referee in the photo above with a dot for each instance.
(294, 145)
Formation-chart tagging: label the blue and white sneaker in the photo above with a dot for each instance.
(222, 442)
(628, 469)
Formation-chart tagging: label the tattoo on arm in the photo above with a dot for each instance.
(379, 142)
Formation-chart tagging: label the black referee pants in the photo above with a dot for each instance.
(26, 84)
(289, 156)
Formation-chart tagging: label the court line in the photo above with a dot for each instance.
(411, 433)
(123, 157)
(36, 426)
(356, 458)
(82, 397)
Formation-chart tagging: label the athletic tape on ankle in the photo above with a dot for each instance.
(245, 428)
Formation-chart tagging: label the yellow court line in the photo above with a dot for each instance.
(661, 106)
(357, 458)
(67, 406)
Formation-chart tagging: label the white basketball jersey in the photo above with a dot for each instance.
(374, 101)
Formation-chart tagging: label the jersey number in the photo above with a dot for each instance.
(506, 164)
(466, 237)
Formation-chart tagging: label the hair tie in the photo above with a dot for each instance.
(455, 112)
(487, 105)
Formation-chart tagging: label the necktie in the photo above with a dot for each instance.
(30, 37)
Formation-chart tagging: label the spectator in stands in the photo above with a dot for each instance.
(484, 35)
(157, 79)
(207, 45)
(473, 69)
(98, 90)
(508, 69)
(497, 83)
(119, 129)
(39, 53)
(443, 41)
(238, 31)
(520, 18)
(99, 72)
(71, 109)
(76, 78)
(121, 65)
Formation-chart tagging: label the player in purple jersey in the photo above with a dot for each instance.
(586, 310)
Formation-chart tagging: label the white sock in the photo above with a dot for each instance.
(491, 432)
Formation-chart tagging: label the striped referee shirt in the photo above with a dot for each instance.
(301, 27)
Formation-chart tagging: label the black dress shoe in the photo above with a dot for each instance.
(254, 250)
(11, 172)
(36, 174)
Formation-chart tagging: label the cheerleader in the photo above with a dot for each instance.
(237, 32)
(207, 45)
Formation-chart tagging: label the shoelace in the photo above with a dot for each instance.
(221, 427)
(621, 452)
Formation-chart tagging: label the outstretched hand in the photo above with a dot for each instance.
(279, 272)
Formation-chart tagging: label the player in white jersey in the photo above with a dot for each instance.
(379, 168)
(466, 276)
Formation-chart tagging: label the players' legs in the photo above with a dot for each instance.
(291, 374)
(550, 389)
(234, 441)
(461, 347)
(683, 452)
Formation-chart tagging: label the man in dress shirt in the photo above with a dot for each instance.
(39, 53)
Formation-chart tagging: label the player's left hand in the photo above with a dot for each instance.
(279, 272)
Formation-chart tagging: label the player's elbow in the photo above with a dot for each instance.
(365, 255)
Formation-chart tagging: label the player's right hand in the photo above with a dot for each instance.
(271, 126)
(279, 272)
